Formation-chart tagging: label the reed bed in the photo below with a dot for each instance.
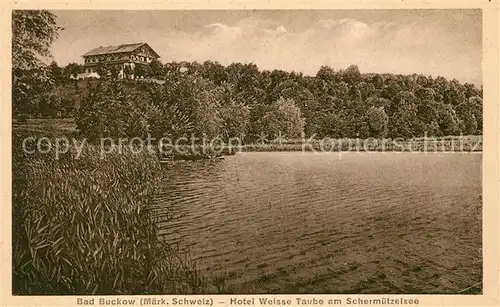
(87, 226)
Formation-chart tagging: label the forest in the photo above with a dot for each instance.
(240, 100)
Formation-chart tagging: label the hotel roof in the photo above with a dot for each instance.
(118, 49)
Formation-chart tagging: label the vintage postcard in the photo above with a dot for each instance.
(250, 153)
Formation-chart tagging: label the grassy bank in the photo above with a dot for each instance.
(87, 226)
(51, 128)
(448, 144)
(443, 144)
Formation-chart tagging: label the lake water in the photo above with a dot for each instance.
(291, 222)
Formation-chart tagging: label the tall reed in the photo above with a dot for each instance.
(87, 226)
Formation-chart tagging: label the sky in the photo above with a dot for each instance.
(444, 43)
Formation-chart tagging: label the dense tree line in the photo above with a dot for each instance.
(241, 100)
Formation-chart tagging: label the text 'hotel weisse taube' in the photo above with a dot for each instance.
(123, 57)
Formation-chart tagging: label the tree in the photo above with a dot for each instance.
(352, 75)
(56, 72)
(448, 122)
(355, 94)
(198, 99)
(128, 72)
(171, 68)
(236, 119)
(471, 91)
(469, 112)
(215, 72)
(329, 124)
(206, 113)
(169, 121)
(326, 73)
(284, 119)
(454, 94)
(423, 94)
(428, 116)
(32, 35)
(290, 89)
(147, 71)
(402, 123)
(391, 91)
(171, 118)
(103, 71)
(367, 90)
(377, 81)
(72, 70)
(378, 102)
(276, 77)
(156, 69)
(114, 71)
(113, 110)
(247, 81)
(49, 105)
(339, 90)
(33, 32)
(378, 121)
(142, 71)
(477, 108)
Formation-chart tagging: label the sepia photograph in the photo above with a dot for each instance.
(319, 151)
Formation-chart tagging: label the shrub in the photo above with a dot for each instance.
(113, 110)
(87, 226)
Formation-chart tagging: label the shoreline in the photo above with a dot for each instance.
(358, 150)
(202, 157)
(198, 152)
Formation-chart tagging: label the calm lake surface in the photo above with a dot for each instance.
(292, 222)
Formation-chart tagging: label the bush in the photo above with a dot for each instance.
(112, 109)
(87, 226)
